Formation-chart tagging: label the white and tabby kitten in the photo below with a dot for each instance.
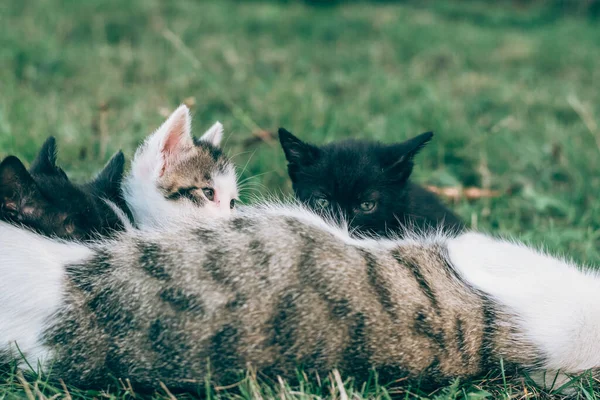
(175, 175)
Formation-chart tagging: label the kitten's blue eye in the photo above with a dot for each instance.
(367, 206)
(321, 202)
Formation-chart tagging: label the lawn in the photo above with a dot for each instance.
(510, 89)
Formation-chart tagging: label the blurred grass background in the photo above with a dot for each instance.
(509, 87)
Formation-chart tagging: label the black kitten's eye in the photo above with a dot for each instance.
(232, 203)
(367, 206)
(209, 193)
(10, 209)
(69, 227)
(321, 202)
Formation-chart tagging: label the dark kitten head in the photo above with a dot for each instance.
(365, 182)
(45, 200)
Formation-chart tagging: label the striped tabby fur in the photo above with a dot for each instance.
(273, 288)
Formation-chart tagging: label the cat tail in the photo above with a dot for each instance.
(557, 304)
(32, 271)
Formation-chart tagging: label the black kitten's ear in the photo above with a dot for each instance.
(296, 151)
(399, 161)
(45, 162)
(17, 187)
(108, 182)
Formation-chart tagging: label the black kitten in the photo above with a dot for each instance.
(45, 200)
(367, 183)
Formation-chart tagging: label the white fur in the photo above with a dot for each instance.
(120, 214)
(225, 185)
(214, 134)
(31, 286)
(147, 204)
(558, 305)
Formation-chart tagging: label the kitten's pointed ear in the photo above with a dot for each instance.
(399, 161)
(176, 133)
(172, 140)
(296, 151)
(45, 162)
(18, 190)
(213, 135)
(108, 182)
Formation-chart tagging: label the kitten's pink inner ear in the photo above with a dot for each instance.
(174, 136)
(178, 138)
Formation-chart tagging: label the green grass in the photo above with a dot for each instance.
(511, 91)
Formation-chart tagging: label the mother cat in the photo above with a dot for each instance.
(276, 287)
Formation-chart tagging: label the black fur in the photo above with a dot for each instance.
(83, 276)
(489, 320)
(216, 265)
(379, 285)
(151, 259)
(423, 327)
(281, 326)
(214, 151)
(237, 302)
(357, 354)
(350, 173)
(421, 280)
(181, 301)
(45, 200)
(225, 357)
(460, 341)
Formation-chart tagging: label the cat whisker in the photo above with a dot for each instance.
(253, 176)
(262, 197)
(239, 154)
(257, 187)
(228, 137)
(247, 162)
(251, 184)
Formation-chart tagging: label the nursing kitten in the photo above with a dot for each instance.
(277, 288)
(366, 184)
(174, 174)
(44, 199)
